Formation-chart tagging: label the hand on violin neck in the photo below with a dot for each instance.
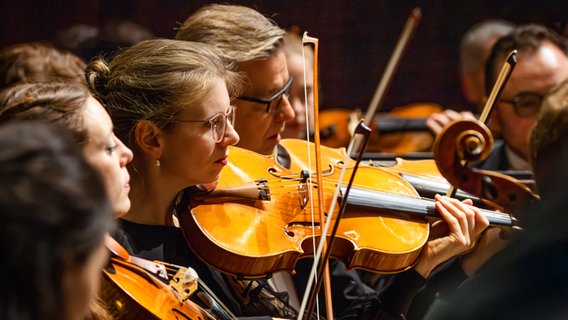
(437, 121)
(465, 223)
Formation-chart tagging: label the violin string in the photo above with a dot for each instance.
(284, 186)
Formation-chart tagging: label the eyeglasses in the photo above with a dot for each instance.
(526, 104)
(218, 123)
(270, 106)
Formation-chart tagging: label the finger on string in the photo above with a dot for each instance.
(468, 210)
(456, 219)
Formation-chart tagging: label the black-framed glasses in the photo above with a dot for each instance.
(526, 104)
(272, 103)
(218, 123)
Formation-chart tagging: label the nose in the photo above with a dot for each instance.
(286, 111)
(231, 136)
(126, 154)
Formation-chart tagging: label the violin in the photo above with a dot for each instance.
(252, 230)
(132, 292)
(403, 130)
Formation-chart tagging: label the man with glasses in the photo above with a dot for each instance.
(542, 63)
(475, 47)
(255, 44)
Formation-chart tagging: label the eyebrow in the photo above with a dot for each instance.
(273, 91)
(216, 113)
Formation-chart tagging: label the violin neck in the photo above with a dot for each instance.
(393, 124)
(428, 188)
(412, 208)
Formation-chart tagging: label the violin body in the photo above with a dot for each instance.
(131, 292)
(253, 238)
(400, 131)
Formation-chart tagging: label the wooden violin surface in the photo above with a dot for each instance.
(258, 237)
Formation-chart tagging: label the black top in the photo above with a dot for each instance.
(527, 280)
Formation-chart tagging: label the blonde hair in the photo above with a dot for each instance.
(156, 79)
(241, 33)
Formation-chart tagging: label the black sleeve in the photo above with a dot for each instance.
(441, 285)
(391, 302)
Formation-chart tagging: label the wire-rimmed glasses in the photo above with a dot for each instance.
(218, 123)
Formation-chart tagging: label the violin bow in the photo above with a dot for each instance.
(326, 278)
(392, 65)
(504, 75)
(323, 252)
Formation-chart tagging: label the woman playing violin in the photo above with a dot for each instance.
(171, 103)
(54, 214)
(71, 106)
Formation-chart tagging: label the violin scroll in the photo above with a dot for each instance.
(467, 141)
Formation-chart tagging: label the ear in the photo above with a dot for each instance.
(149, 139)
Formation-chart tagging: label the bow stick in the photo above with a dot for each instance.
(326, 278)
(392, 65)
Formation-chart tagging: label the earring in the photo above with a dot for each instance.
(157, 162)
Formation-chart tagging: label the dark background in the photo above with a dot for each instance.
(356, 37)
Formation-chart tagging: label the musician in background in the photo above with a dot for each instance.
(542, 63)
(475, 47)
(54, 214)
(263, 107)
(529, 278)
(298, 61)
(39, 62)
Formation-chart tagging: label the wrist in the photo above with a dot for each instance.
(424, 267)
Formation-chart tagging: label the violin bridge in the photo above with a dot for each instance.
(184, 283)
(263, 189)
